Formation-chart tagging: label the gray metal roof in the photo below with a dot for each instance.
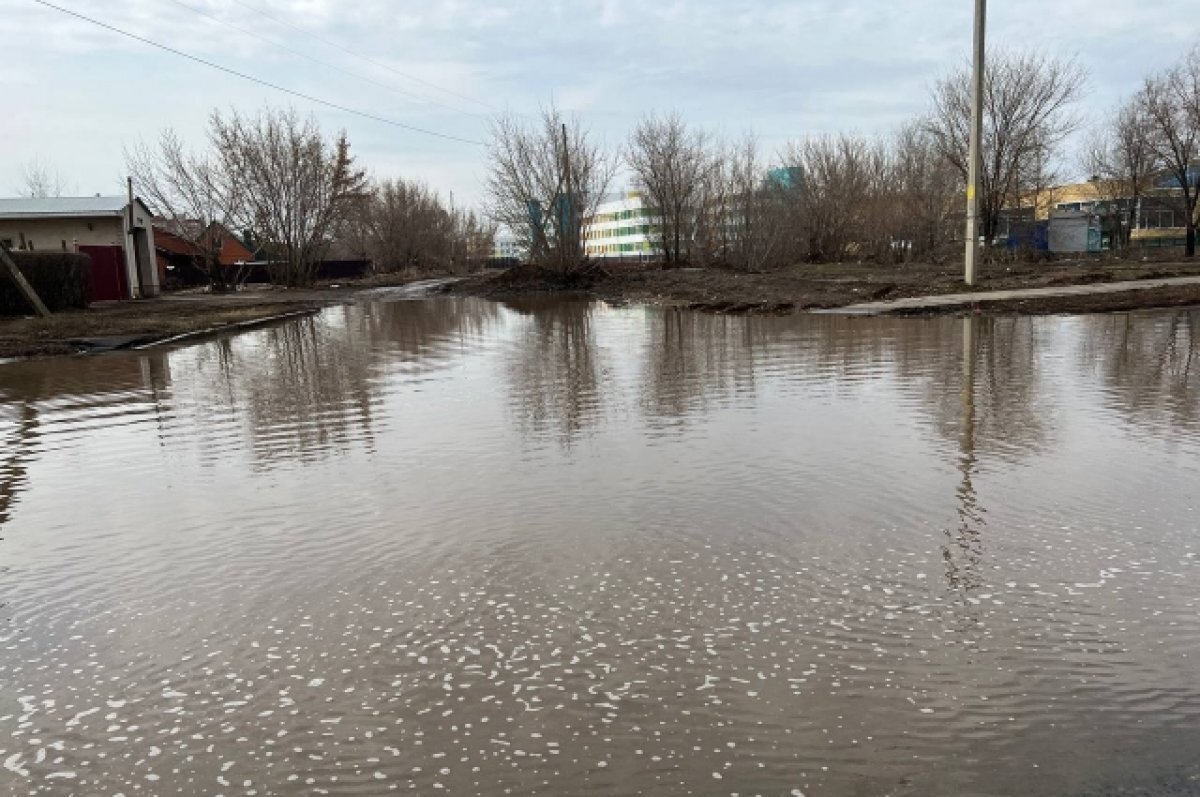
(58, 207)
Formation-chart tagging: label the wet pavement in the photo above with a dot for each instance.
(952, 300)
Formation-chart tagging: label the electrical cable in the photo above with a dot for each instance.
(252, 79)
(360, 56)
(318, 61)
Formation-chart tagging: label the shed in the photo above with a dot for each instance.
(1074, 231)
(118, 237)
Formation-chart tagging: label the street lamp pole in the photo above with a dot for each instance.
(976, 155)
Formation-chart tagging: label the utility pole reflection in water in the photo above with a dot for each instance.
(963, 551)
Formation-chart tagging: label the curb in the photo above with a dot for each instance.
(225, 329)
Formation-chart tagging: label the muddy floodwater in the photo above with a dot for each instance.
(461, 547)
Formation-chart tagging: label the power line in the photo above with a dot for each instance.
(360, 56)
(318, 61)
(259, 81)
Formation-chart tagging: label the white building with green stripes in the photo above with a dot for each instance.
(623, 227)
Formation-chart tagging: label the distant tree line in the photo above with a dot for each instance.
(296, 193)
(403, 225)
(887, 198)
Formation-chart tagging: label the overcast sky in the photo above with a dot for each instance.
(75, 94)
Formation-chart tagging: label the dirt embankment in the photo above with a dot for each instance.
(715, 290)
(125, 324)
(819, 286)
(111, 325)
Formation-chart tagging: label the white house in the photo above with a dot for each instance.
(119, 238)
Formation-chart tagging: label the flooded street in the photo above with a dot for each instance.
(454, 546)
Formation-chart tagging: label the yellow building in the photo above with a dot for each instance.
(1156, 220)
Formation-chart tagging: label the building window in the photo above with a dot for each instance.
(1158, 219)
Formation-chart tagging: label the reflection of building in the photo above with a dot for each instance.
(33, 390)
(623, 226)
(119, 238)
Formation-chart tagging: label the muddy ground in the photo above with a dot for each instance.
(1126, 301)
(713, 290)
(144, 321)
(810, 286)
(74, 332)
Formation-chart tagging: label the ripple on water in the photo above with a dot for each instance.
(465, 548)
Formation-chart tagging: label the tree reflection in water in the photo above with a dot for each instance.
(311, 388)
(555, 369)
(692, 357)
(1149, 365)
(1013, 417)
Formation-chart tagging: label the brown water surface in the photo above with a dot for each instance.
(450, 546)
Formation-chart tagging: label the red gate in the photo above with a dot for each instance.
(109, 281)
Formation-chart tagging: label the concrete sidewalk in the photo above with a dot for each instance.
(953, 300)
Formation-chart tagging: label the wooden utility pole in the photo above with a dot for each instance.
(132, 243)
(453, 235)
(566, 212)
(976, 154)
(22, 284)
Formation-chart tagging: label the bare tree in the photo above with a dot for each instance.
(765, 224)
(545, 180)
(40, 180)
(402, 225)
(1170, 104)
(715, 228)
(195, 195)
(406, 227)
(473, 242)
(1122, 163)
(297, 185)
(1027, 115)
(842, 180)
(671, 164)
(927, 191)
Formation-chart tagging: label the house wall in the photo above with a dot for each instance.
(48, 234)
(147, 276)
(66, 233)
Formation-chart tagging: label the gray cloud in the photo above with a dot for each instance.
(787, 69)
